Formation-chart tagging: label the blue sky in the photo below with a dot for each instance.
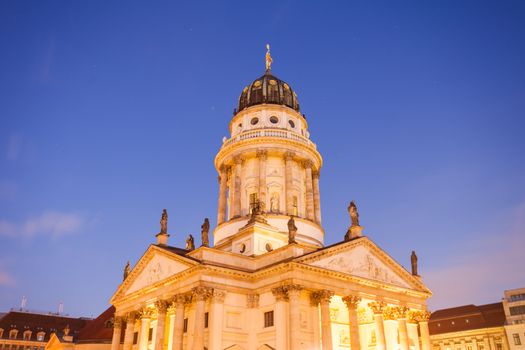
(112, 111)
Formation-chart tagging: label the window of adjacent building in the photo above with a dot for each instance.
(517, 310)
(135, 337)
(150, 334)
(13, 333)
(206, 315)
(499, 346)
(268, 319)
(185, 326)
(27, 335)
(40, 336)
(517, 340)
(1, 332)
(517, 297)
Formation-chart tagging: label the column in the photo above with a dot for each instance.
(281, 295)
(178, 328)
(351, 304)
(252, 303)
(486, 344)
(145, 319)
(162, 307)
(262, 155)
(317, 197)
(310, 214)
(236, 180)
(288, 174)
(201, 294)
(294, 295)
(377, 309)
(171, 318)
(130, 327)
(401, 314)
(223, 183)
(215, 319)
(314, 303)
(323, 297)
(117, 331)
(423, 329)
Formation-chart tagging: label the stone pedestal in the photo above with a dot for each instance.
(353, 232)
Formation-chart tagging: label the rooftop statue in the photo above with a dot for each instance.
(413, 262)
(354, 215)
(205, 229)
(292, 231)
(164, 222)
(190, 243)
(127, 269)
(268, 58)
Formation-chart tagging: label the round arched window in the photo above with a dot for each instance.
(274, 120)
(254, 121)
(292, 124)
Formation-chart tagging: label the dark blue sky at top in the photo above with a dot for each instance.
(111, 111)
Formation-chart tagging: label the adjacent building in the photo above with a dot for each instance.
(514, 306)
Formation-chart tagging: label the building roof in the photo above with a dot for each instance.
(466, 317)
(99, 330)
(36, 322)
(268, 89)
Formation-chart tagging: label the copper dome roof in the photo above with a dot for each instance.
(268, 89)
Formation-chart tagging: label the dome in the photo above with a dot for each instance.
(268, 89)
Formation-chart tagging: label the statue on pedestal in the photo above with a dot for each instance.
(127, 269)
(190, 243)
(413, 262)
(205, 229)
(164, 222)
(292, 231)
(354, 215)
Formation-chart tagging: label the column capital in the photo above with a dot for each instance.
(352, 301)
(322, 296)
(294, 289)
(289, 155)
(218, 296)
(377, 307)
(146, 313)
(400, 312)
(161, 305)
(307, 164)
(117, 321)
(238, 159)
(202, 293)
(316, 174)
(280, 293)
(389, 313)
(420, 315)
(252, 301)
(224, 168)
(262, 154)
(131, 316)
(181, 299)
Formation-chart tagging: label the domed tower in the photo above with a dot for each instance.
(268, 163)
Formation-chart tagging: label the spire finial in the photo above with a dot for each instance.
(268, 58)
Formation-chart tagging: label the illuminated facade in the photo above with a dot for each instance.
(268, 282)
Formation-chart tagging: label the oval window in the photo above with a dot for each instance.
(254, 121)
(292, 124)
(269, 247)
(274, 120)
(243, 248)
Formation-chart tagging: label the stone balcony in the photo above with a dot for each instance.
(285, 134)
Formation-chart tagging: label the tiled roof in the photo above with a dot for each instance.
(35, 322)
(100, 330)
(466, 317)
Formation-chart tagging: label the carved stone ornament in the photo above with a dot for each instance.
(377, 307)
(401, 312)
(280, 293)
(130, 317)
(252, 301)
(117, 322)
(161, 306)
(352, 301)
(262, 154)
(146, 313)
(218, 296)
(294, 289)
(202, 293)
(205, 229)
(289, 155)
(389, 313)
(421, 315)
(322, 296)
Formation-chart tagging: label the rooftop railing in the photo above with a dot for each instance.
(285, 134)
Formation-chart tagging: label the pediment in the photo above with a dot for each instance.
(362, 258)
(155, 265)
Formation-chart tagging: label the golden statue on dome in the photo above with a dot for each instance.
(268, 58)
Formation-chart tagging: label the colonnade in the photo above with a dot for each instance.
(172, 311)
(287, 321)
(313, 198)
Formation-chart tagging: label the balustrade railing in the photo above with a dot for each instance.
(269, 133)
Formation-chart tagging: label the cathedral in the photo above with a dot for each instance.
(268, 281)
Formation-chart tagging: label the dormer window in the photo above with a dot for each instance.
(13, 333)
(1, 332)
(40, 336)
(27, 335)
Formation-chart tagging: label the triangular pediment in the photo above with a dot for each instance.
(362, 258)
(156, 265)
